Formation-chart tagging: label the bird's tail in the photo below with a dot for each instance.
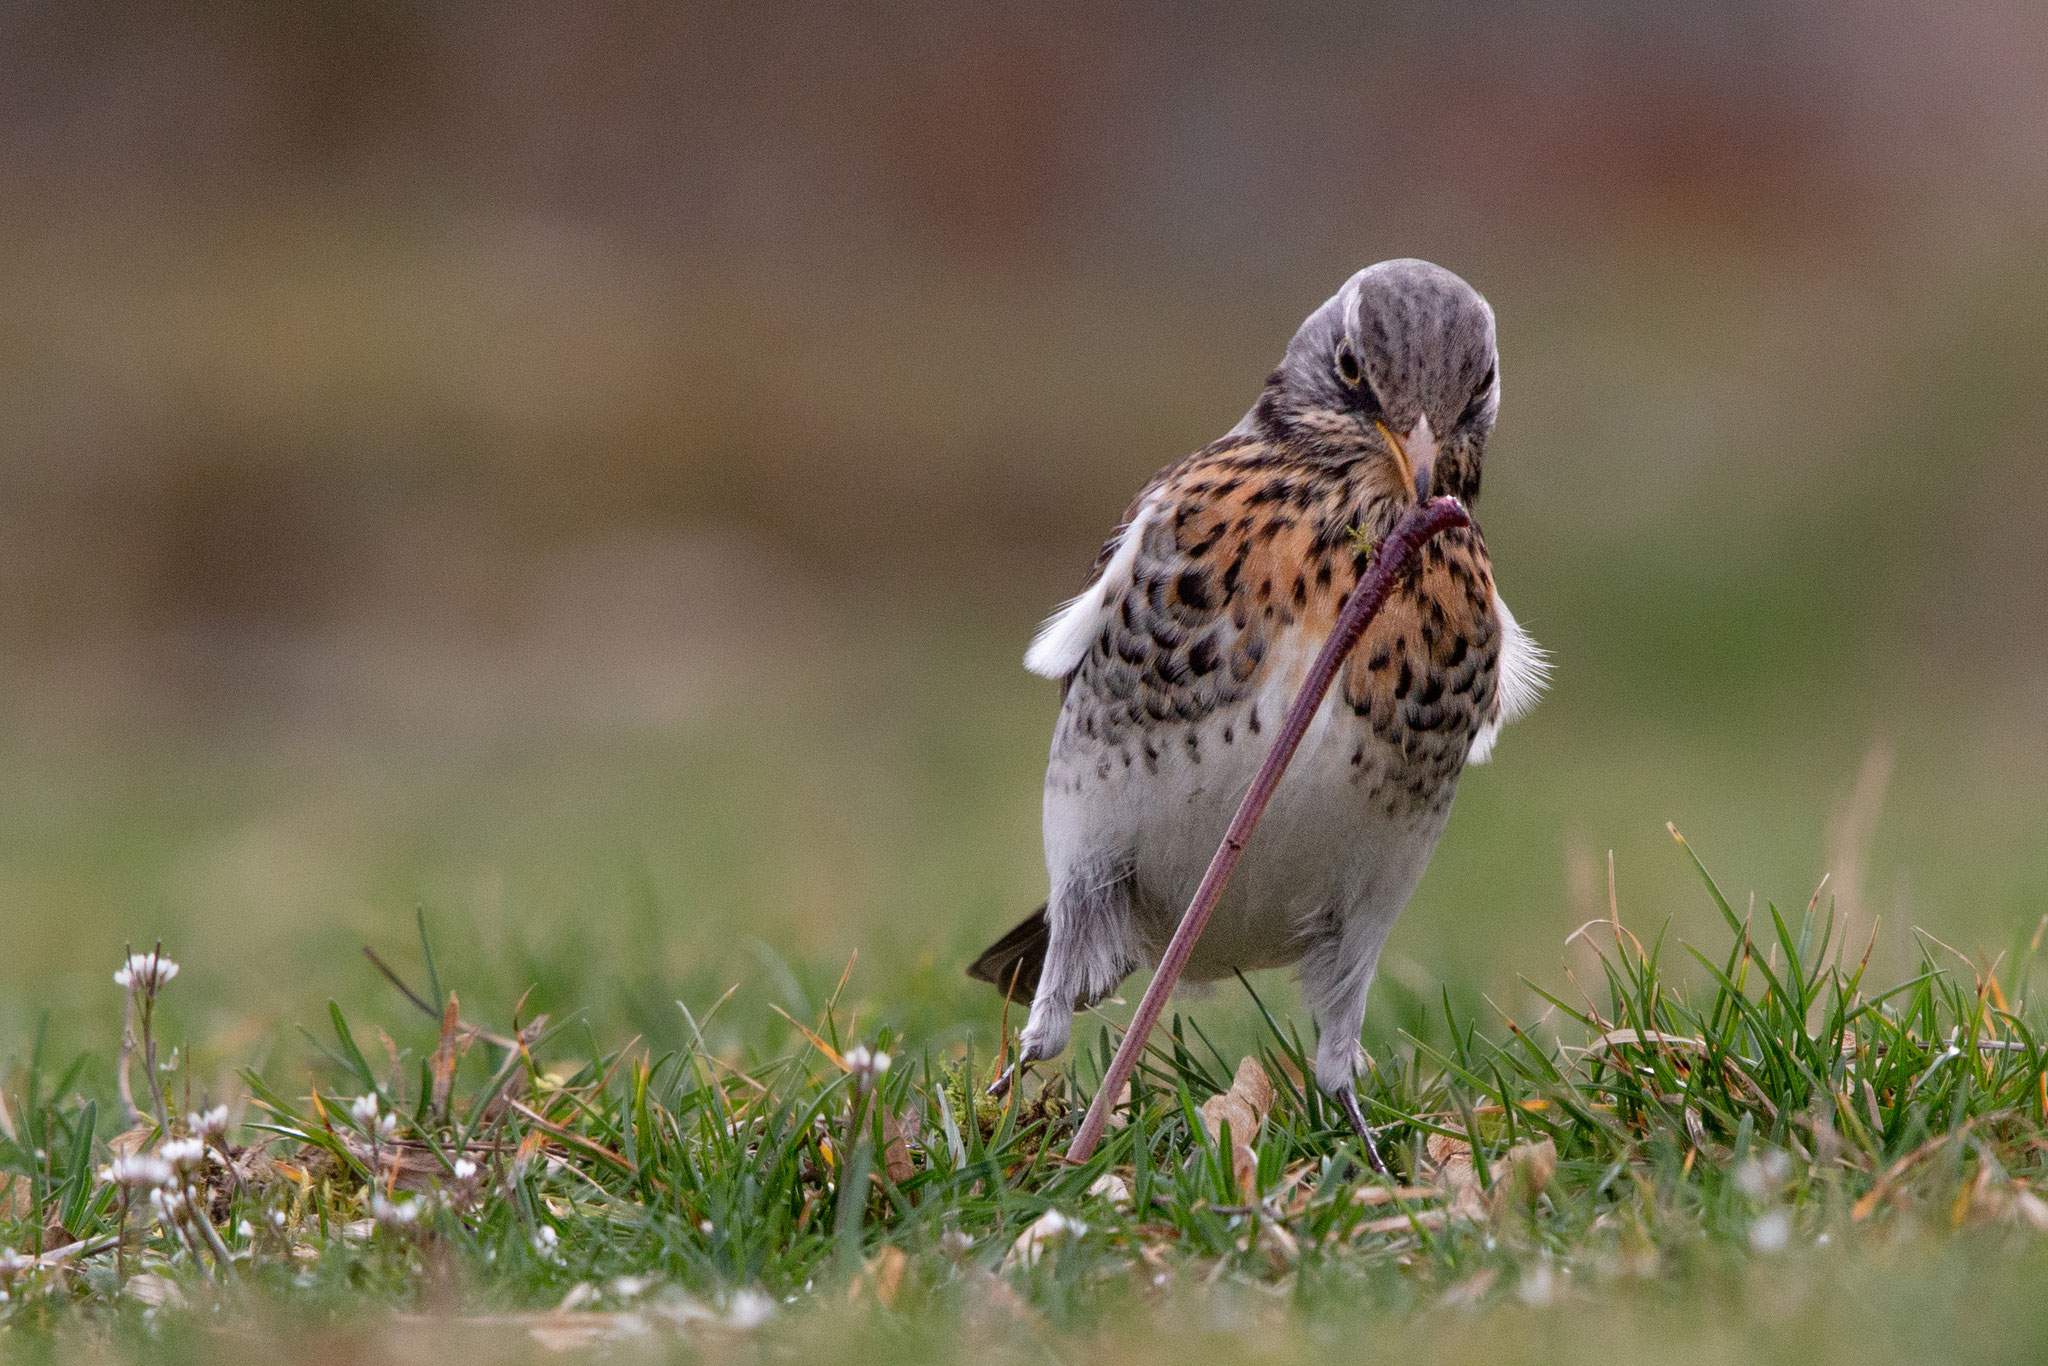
(1012, 964)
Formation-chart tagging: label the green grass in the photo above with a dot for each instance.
(1685, 1137)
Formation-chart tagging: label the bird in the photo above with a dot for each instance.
(1206, 607)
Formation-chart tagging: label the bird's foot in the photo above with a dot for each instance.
(1000, 1087)
(1347, 1096)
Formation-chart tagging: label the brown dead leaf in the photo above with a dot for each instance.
(1244, 1107)
(1404, 1223)
(446, 1055)
(895, 1152)
(1380, 1195)
(1119, 1113)
(1449, 1163)
(1468, 1293)
(882, 1278)
(129, 1142)
(158, 1292)
(1520, 1174)
(1280, 1247)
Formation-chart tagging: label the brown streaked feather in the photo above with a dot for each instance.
(1246, 561)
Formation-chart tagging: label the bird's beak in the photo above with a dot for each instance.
(1416, 455)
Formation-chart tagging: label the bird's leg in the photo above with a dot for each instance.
(1335, 975)
(1044, 1034)
(1347, 1096)
(1085, 958)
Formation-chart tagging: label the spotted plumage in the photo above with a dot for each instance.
(1206, 608)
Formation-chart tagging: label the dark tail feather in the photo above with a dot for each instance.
(1012, 963)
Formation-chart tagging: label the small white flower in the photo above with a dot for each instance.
(866, 1063)
(1040, 1235)
(749, 1310)
(547, 1244)
(1771, 1231)
(465, 1169)
(1538, 1285)
(139, 1169)
(211, 1123)
(394, 1214)
(145, 972)
(184, 1154)
(704, 1227)
(387, 1126)
(1760, 1177)
(13, 1263)
(245, 1230)
(363, 1110)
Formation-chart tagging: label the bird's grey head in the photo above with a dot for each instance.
(1399, 366)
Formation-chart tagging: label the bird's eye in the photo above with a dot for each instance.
(1347, 364)
(1479, 396)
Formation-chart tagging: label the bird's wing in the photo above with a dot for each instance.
(1524, 673)
(1065, 636)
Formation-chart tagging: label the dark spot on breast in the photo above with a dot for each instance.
(1381, 658)
(1235, 568)
(1323, 574)
(1254, 721)
(1229, 735)
(1432, 691)
(1194, 589)
(1459, 646)
(1300, 591)
(1404, 680)
(1202, 657)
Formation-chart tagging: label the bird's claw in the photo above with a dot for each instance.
(1000, 1087)
(1348, 1098)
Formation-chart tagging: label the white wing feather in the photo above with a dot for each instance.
(1063, 641)
(1524, 673)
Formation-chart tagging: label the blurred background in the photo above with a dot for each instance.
(588, 474)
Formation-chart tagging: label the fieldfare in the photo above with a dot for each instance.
(1207, 606)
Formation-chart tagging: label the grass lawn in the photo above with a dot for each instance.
(1747, 1142)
